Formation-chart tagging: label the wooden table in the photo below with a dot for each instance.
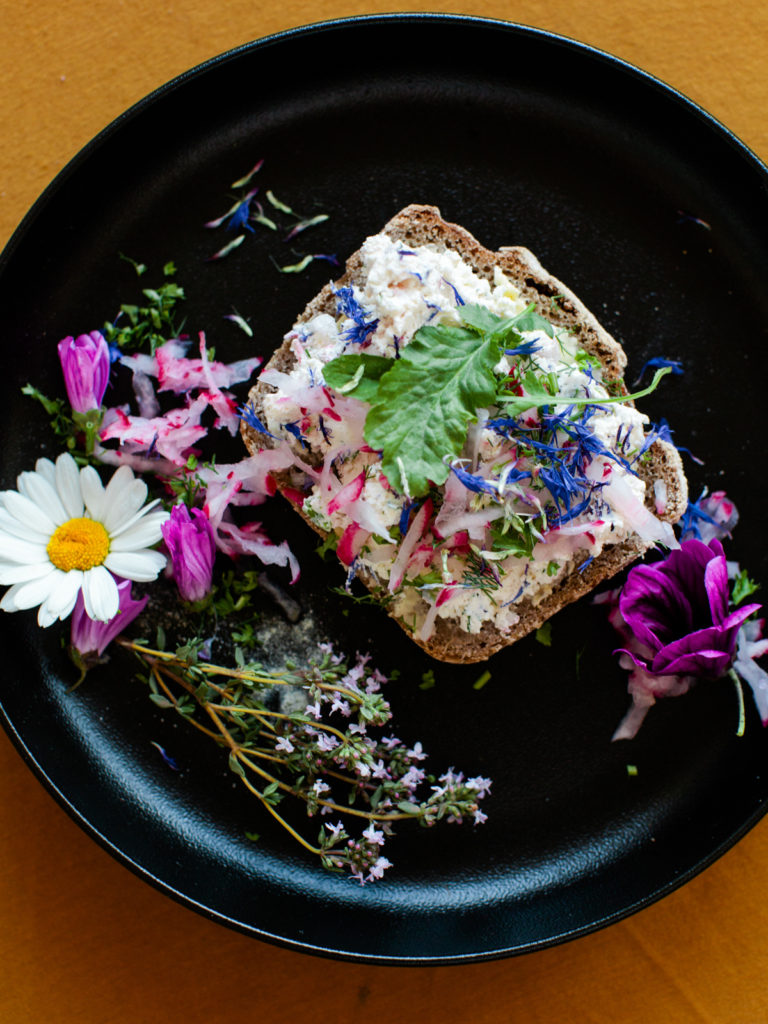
(82, 939)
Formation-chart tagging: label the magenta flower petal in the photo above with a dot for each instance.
(91, 638)
(716, 586)
(678, 609)
(85, 364)
(192, 546)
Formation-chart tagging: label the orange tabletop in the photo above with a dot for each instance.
(82, 939)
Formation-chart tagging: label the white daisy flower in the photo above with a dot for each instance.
(63, 532)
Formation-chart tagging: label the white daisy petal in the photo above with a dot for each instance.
(22, 573)
(120, 483)
(12, 526)
(161, 514)
(21, 552)
(93, 492)
(8, 603)
(64, 591)
(37, 489)
(131, 499)
(140, 566)
(45, 618)
(68, 486)
(28, 513)
(143, 534)
(33, 592)
(102, 601)
(47, 470)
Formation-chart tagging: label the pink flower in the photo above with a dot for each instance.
(85, 365)
(192, 547)
(89, 638)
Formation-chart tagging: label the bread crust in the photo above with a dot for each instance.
(423, 225)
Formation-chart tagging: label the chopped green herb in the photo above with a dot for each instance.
(140, 268)
(544, 634)
(274, 201)
(481, 680)
(356, 375)
(427, 680)
(743, 587)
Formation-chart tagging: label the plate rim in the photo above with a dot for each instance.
(37, 209)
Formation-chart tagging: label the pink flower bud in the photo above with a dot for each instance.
(91, 638)
(192, 547)
(85, 365)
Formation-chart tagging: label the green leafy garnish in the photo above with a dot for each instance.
(423, 402)
(544, 634)
(743, 587)
(539, 396)
(357, 375)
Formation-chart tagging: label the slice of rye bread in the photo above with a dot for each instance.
(422, 225)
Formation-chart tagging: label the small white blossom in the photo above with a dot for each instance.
(378, 869)
(374, 835)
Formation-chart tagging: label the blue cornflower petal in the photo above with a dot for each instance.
(247, 413)
(526, 348)
(405, 515)
(293, 428)
(324, 430)
(692, 517)
(480, 485)
(348, 306)
(658, 362)
(459, 300)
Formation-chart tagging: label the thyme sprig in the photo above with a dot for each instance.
(315, 746)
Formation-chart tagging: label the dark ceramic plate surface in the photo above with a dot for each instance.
(658, 218)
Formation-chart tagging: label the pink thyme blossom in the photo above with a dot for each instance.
(190, 541)
(85, 365)
(378, 868)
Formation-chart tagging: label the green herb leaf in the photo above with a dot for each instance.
(356, 375)
(408, 807)
(743, 587)
(426, 401)
(481, 680)
(484, 321)
(544, 634)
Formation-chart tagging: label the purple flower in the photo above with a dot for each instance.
(89, 638)
(85, 364)
(677, 610)
(674, 619)
(192, 547)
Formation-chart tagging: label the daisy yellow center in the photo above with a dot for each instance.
(78, 544)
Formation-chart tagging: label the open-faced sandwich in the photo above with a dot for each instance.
(461, 432)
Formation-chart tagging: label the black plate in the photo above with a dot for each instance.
(524, 138)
